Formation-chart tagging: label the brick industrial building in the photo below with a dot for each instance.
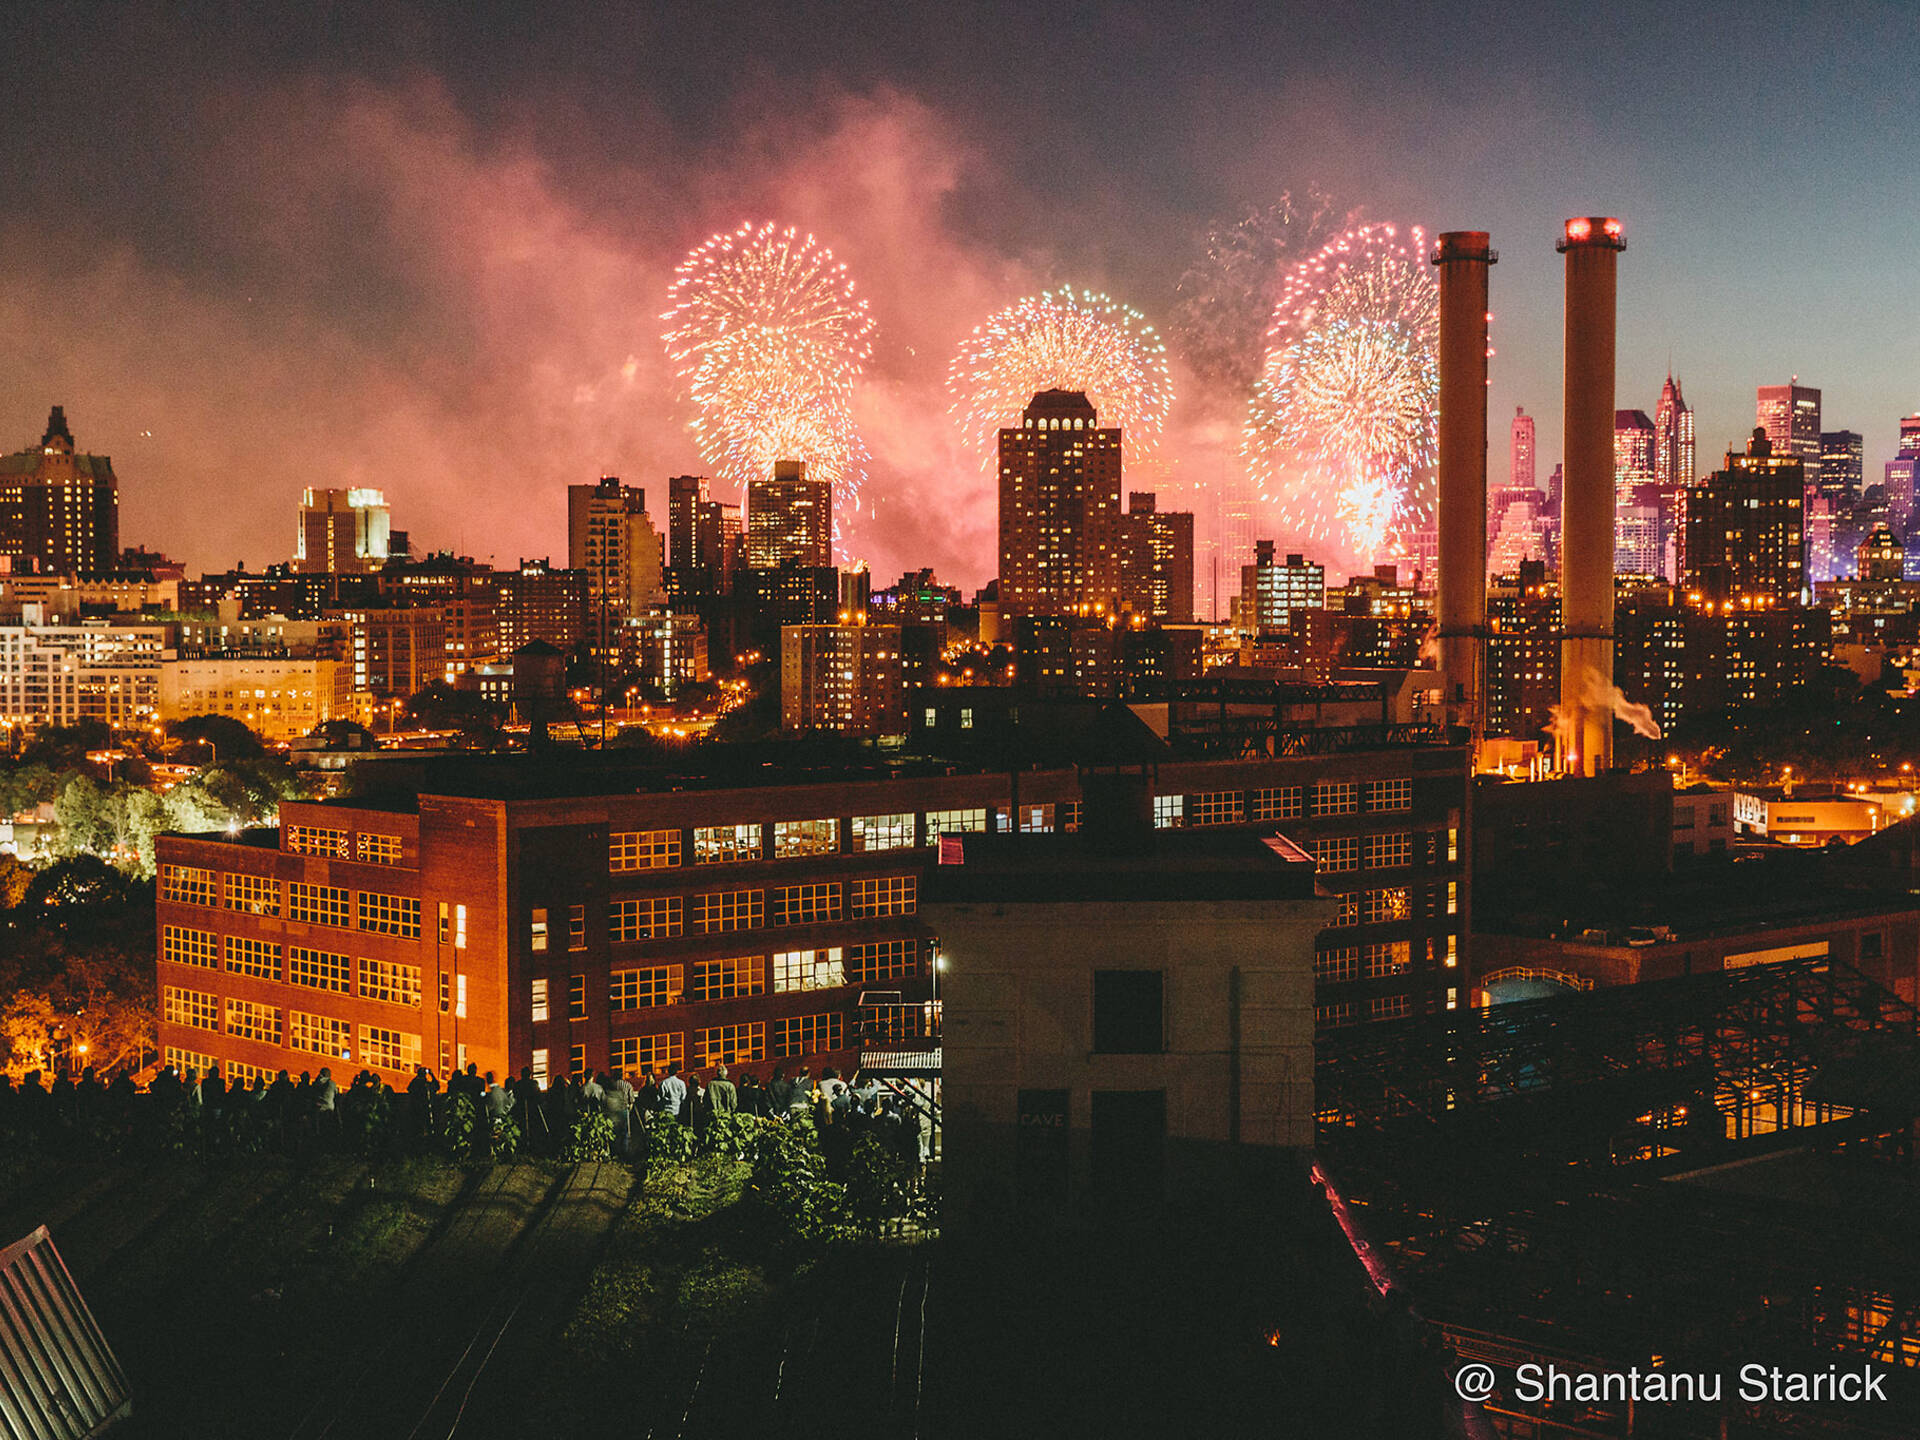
(522, 913)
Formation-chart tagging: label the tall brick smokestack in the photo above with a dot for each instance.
(1464, 257)
(1592, 245)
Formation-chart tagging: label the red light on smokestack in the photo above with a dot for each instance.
(1599, 231)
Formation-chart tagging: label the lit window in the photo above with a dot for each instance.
(882, 832)
(390, 981)
(190, 947)
(726, 979)
(726, 844)
(538, 931)
(643, 850)
(793, 838)
(538, 1009)
(196, 1008)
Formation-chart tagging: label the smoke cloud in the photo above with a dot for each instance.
(389, 300)
(1598, 693)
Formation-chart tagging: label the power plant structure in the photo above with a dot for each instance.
(1583, 727)
(1584, 730)
(1464, 258)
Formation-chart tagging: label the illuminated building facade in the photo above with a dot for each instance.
(59, 507)
(1842, 466)
(1881, 556)
(1746, 530)
(1156, 561)
(1790, 416)
(1270, 592)
(342, 532)
(611, 538)
(1523, 652)
(845, 678)
(1673, 446)
(1638, 544)
(789, 519)
(1059, 508)
(1520, 452)
(63, 674)
(500, 916)
(1901, 474)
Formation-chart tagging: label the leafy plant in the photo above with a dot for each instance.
(504, 1137)
(668, 1141)
(877, 1185)
(591, 1138)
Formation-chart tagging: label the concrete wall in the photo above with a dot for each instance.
(1017, 987)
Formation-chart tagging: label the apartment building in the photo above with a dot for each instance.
(584, 916)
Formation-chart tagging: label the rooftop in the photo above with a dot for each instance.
(1080, 869)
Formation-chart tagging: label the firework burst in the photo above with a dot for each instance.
(767, 336)
(1070, 340)
(1341, 432)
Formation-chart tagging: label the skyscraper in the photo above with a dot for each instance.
(1745, 530)
(1059, 508)
(342, 532)
(1842, 465)
(611, 537)
(1673, 457)
(59, 509)
(1637, 542)
(1901, 487)
(789, 518)
(1790, 414)
(1520, 451)
(1156, 560)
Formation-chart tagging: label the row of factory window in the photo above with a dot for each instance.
(1392, 902)
(386, 980)
(313, 904)
(321, 1035)
(1337, 854)
(732, 977)
(789, 1038)
(1344, 963)
(367, 848)
(631, 850)
(716, 912)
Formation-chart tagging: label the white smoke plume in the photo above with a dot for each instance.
(1597, 693)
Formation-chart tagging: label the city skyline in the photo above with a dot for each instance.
(235, 288)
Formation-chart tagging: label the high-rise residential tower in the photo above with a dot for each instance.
(789, 519)
(612, 538)
(59, 508)
(1059, 508)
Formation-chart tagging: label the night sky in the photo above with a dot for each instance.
(426, 249)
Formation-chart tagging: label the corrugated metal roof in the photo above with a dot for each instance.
(59, 1379)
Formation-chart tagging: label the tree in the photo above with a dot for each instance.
(65, 747)
(83, 811)
(221, 738)
(440, 706)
